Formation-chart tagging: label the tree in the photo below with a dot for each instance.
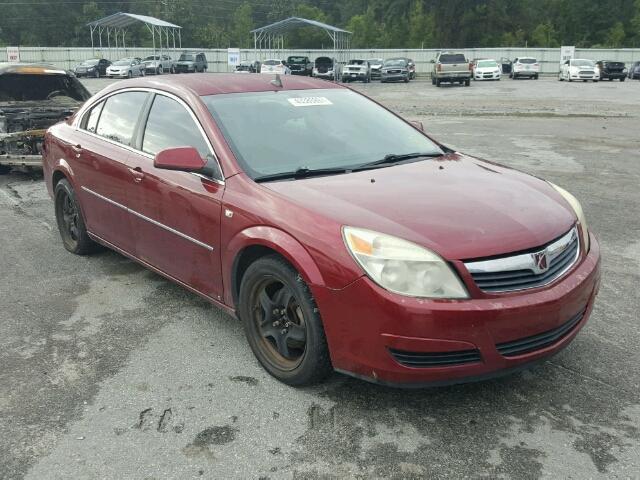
(544, 35)
(241, 25)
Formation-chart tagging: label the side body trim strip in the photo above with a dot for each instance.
(150, 220)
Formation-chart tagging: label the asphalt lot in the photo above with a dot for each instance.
(109, 371)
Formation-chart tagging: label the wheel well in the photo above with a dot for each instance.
(57, 176)
(245, 258)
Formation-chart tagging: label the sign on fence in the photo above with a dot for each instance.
(233, 56)
(13, 54)
(567, 53)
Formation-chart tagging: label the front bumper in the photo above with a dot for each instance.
(614, 75)
(354, 76)
(325, 76)
(394, 77)
(486, 76)
(365, 323)
(117, 74)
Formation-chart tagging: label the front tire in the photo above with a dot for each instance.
(70, 220)
(467, 83)
(282, 323)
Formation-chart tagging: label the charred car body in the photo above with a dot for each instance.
(32, 98)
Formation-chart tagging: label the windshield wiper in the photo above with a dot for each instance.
(396, 158)
(302, 172)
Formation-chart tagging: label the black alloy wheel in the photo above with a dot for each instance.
(70, 220)
(282, 322)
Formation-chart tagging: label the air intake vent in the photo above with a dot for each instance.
(541, 340)
(435, 359)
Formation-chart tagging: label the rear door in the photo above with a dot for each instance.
(176, 215)
(101, 169)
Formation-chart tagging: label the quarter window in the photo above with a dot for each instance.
(92, 118)
(120, 115)
(170, 125)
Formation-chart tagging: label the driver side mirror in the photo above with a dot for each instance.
(185, 159)
(418, 124)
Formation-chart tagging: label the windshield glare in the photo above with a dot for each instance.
(89, 63)
(327, 125)
(124, 61)
(395, 63)
(487, 64)
(527, 60)
(186, 58)
(271, 62)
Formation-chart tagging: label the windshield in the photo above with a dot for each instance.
(487, 64)
(297, 60)
(90, 63)
(356, 62)
(186, 58)
(582, 63)
(152, 57)
(124, 61)
(324, 61)
(376, 61)
(452, 58)
(271, 62)
(25, 87)
(395, 62)
(328, 125)
(527, 60)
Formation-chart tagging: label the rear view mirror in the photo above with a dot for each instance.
(418, 124)
(185, 159)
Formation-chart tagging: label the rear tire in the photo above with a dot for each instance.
(70, 220)
(433, 81)
(97, 73)
(622, 79)
(4, 169)
(282, 323)
(467, 83)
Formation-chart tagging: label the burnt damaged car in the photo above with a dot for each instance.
(33, 97)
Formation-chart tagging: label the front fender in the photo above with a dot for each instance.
(277, 240)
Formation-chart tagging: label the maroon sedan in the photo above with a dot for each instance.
(342, 236)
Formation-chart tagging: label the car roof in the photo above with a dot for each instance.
(32, 68)
(220, 83)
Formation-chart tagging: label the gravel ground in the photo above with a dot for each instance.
(109, 371)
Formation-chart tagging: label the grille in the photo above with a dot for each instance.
(586, 72)
(435, 359)
(541, 340)
(522, 271)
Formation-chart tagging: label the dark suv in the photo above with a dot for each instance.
(634, 70)
(300, 65)
(191, 62)
(611, 70)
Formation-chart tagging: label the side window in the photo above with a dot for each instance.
(91, 118)
(119, 116)
(170, 125)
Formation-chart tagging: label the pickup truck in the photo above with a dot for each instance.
(451, 67)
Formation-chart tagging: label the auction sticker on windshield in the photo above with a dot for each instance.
(309, 101)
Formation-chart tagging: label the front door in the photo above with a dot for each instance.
(176, 215)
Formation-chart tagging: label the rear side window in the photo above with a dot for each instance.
(452, 58)
(170, 125)
(92, 118)
(120, 115)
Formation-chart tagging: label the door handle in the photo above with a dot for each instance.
(137, 174)
(77, 149)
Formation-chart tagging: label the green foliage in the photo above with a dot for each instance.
(374, 23)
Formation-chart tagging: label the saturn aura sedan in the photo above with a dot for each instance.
(380, 252)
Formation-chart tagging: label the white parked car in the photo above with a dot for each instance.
(273, 66)
(158, 64)
(525, 67)
(579, 69)
(127, 67)
(487, 69)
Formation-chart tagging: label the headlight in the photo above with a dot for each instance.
(577, 208)
(401, 266)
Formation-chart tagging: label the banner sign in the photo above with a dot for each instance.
(13, 54)
(233, 56)
(567, 53)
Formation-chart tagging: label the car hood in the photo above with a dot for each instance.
(460, 207)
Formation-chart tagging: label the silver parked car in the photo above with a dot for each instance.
(125, 68)
(158, 64)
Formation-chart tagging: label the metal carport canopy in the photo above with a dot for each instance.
(117, 24)
(275, 31)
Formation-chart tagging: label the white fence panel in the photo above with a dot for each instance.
(548, 57)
